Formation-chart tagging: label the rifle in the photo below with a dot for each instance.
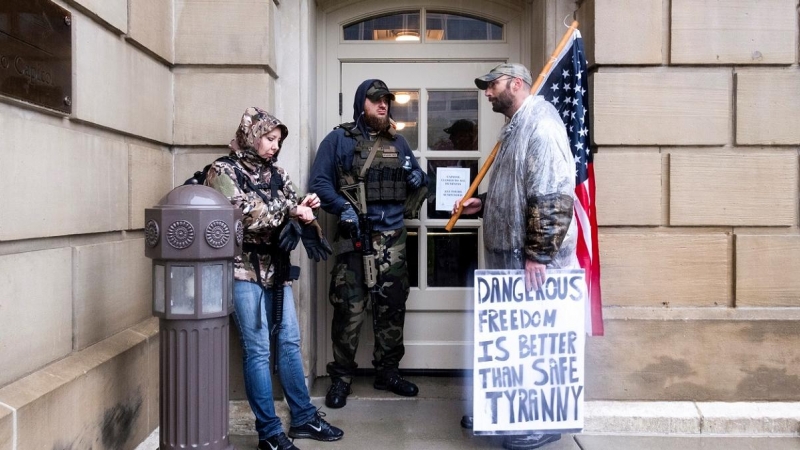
(280, 260)
(356, 195)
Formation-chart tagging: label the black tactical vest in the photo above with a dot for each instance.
(385, 179)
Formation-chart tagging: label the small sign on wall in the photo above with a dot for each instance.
(528, 363)
(451, 185)
(36, 53)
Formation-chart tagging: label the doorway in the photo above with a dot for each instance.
(449, 125)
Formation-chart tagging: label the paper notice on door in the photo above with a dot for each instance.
(451, 185)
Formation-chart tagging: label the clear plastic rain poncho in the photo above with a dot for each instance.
(529, 207)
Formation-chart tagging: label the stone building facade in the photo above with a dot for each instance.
(695, 108)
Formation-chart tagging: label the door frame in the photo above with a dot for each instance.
(332, 52)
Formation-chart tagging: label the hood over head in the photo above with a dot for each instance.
(256, 123)
(374, 89)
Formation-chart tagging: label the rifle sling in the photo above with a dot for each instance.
(372, 152)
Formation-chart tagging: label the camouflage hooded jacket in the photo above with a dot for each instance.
(261, 219)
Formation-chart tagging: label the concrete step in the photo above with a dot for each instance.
(427, 423)
(378, 419)
(362, 439)
(668, 418)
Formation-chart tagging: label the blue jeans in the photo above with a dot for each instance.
(250, 303)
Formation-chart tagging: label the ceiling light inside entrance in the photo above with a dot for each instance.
(407, 36)
(402, 97)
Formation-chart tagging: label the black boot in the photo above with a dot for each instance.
(392, 381)
(337, 393)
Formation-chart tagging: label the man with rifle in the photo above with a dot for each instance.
(366, 174)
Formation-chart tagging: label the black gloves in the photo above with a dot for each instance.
(290, 236)
(348, 221)
(414, 179)
(316, 245)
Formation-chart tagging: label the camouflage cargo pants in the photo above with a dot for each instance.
(349, 297)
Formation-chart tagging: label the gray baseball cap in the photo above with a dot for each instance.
(511, 69)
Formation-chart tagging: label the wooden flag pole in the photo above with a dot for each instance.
(490, 158)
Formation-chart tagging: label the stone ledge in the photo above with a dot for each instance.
(779, 418)
(70, 400)
(641, 417)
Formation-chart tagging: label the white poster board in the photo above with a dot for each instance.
(529, 352)
(451, 185)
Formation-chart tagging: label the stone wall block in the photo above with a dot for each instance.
(93, 399)
(113, 12)
(733, 189)
(119, 86)
(85, 178)
(208, 106)
(223, 32)
(586, 14)
(35, 311)
(734, 32)
(6, 429)
(154, 386)
(767, 107)
(152, 26)
(694, 360)
(113, 286)
(666, 270)
(628, 187)
(150, 328)
(150, 180)
(628, 32)
(673, 107)
(766, 271)
(187, 161)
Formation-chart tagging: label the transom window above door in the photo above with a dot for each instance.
(417, 26)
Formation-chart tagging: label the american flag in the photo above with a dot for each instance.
(566, 88)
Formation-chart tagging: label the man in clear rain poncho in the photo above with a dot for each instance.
(527, 211)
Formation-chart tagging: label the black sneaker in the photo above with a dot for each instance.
(316, 428)
(277, 442)
(392, 381)
(530, 441)
(337, 393)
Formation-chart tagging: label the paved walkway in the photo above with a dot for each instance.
(380, 420)
(434, 424)
(405, 439)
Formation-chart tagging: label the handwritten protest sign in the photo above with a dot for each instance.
(529, 352)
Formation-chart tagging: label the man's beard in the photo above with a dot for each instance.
(504, 101)
(377, 123)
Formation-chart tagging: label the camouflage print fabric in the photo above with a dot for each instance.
(547, 221)
(261, 220)
(255, 123)
(350, 298)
